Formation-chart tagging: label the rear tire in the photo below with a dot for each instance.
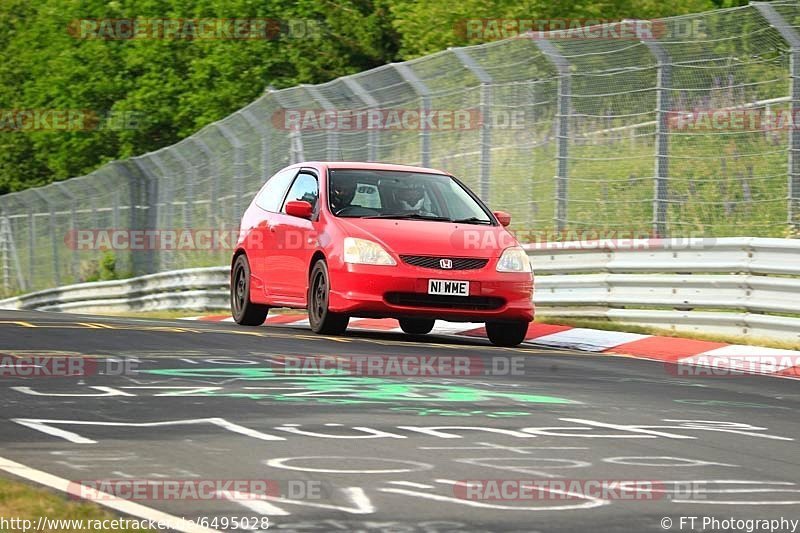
(506, 333)
(416, 326)
(321, 319)
(243, 310)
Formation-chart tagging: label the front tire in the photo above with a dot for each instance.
(243, 310)
(506, 333)
(416, 326)
(321, 319)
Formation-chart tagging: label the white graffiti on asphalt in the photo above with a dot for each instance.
(585, 429)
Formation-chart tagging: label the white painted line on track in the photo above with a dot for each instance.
(124, 506)
(747, 350)
(754, 359)
(591, 340)
(442, 327)
(411, 484)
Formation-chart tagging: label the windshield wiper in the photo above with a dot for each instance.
(472, 220)
(410, 215)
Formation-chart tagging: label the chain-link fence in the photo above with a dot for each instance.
(677, 130)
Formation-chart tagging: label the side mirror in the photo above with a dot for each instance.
(503, 218)
(299, 208)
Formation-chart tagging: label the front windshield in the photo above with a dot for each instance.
(392, 194)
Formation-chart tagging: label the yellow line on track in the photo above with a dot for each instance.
(267, 332)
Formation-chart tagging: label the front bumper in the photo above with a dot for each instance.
(401, 291)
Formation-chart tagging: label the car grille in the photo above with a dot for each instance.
(459, 263)
(415, 299)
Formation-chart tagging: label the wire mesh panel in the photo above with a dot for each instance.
(522, 113)
(727, 164)
(686, 127)
(610, 148)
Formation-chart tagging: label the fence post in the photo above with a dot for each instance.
(663, 107)
(424, 95)
(562, 114)
(117, 202)
(296, 154)
(32, 245)
(239, 166)
(9, 251)
(73, 227)
(6, 243)
(788, 32)
(332, 138)
(371, 103)
(265, 132)
(53, 239)
(190, 175)
(5, 206)
(133, 220)
(150, 199)
(8, 235)
(165, 190)
(485, 140)
(213, 180)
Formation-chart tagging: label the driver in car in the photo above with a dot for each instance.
(343, 189)
(411, 198)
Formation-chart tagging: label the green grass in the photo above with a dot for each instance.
(19, 500)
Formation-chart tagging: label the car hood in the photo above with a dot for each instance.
(427, 237)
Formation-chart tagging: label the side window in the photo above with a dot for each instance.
(271, 194)
(304, 188)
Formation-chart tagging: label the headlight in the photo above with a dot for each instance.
(514, 259)
(366, 252)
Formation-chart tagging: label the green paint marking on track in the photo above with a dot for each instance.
(346, 389)
(423, 411)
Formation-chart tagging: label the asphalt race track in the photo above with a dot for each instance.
(211, 401)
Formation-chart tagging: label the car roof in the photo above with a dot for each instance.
(361, 165)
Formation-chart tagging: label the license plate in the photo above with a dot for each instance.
(447, 287)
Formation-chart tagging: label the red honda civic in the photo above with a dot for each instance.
(380, 241)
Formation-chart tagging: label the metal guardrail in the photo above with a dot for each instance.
(739, 286)
(192, 288)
